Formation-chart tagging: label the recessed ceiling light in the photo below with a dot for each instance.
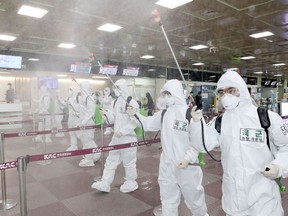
(7, 37)
(247, 57)
(109, 27)
(147, 57)
(171, 4)
(261, 34)
(199, 63)
(258, 72)
(66, 45)
(33, 59)
(32, 11)
(279, 64)
(197, 47)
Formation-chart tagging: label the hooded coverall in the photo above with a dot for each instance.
(244, 154)
(87, 111)
(176, 144)
(73, 118)
(127, 156)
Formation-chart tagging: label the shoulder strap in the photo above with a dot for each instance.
(128, 101)
(264, 121)
(218, 123)
(263, 117)
(162, 114)
(188, 114)
(114, 102)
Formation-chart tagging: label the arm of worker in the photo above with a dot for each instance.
(130, 125)
(211, 136)
(278, 134)
(90, 112)
(150, 123)
(190, 157)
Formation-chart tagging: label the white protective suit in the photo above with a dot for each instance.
(246, 191)
(59, 105)
(43, 108)
(73, 118)
(107, 105)
(86, 112)
(176, 144)
(125, 126)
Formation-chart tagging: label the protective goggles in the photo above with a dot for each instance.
(165, 93)
(230, 90)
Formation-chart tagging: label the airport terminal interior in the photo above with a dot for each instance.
(54, 50)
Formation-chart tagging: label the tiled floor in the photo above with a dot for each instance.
(62, 188)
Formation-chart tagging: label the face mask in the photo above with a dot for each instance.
(117, 92)
(106, 92)
(70, 91)
(169, 99)
(229, 101)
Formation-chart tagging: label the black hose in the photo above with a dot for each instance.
(203, 141)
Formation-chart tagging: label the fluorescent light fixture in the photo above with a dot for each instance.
(258, 72)
(247, 57)
(278, 75)
(198, 64)
(33, 59)
(2, 72)
(278, 64)
(109, 27)
(32, 11)
(261, 34)
(66, 45)
(197, 47)
(151, 70)
(7, 37)
(147, 57)
(171, 4)
(61, 75)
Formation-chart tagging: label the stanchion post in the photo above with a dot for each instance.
(102, 144)
(98, 178)
(4, 203)
(45, 162)
(22, 167)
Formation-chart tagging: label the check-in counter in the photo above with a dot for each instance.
(10, 109)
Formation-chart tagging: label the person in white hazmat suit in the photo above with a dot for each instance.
(123, 133)
(107, 105)
(73, 117)
(178, 173)
(59, 105)
(44, 114)
(86, 112)
(249, 167)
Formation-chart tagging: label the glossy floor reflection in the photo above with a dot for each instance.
(62, 188)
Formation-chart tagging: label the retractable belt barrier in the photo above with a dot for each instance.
(15, 122)
(24, 121)
(52, 131)
(56, 155)
(10, 116)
